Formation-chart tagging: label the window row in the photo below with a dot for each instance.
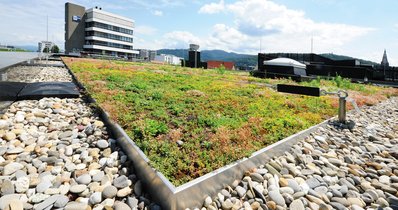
(109, 27)
(109, 36)
(109, 44)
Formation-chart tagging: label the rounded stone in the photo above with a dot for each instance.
(10, 136)
(84, 179)
(207, 202)
(124, 192)
(22, 184)
(12, 168)
(271, 205)
(76, 205)
(297, 205)
(121, 182)
(109, 192)
(15, 204)
(43, 185)
(121, 206)
(77, 188)
(102, 144)
(95, 198)
(277, 197)
(7, 188)
(61, 201)
(283, 182)
(138, 188)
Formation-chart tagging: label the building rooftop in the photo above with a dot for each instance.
(285, 62)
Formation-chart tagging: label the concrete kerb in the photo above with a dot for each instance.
(193, 193)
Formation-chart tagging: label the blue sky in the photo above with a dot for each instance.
(351, 27)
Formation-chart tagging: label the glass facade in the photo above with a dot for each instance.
(109, 27)
(109, 36)
(108, 44)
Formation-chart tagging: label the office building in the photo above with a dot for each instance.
(146, 55)
(94, 31)
(44, 44)
(168, 59)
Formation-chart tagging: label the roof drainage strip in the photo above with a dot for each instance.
(36, 91)
(14, 91)
(193, 193)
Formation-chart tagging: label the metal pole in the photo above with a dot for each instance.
(196, 59)
(47, 30)
(342, 106)
(312, 44)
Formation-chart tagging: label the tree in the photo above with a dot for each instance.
(45, 50)
(55, 49)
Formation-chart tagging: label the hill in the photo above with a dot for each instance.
(30, 48)
(344, 57)
(243, 60)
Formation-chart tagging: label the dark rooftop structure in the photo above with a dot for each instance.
(318, 65)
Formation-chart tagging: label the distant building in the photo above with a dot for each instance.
(280, 67)
(218, 64)
(7, 47)
(194, 60)
(94, 31)
(44, 44)
(384, 61)
(146, 55)
(322, 66)
(168, 59)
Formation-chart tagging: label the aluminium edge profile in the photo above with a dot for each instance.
(192, 193)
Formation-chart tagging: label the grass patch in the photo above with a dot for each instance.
(192, 121)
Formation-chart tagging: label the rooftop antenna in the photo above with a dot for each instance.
(47, 28)
(46, 44)
(312, 44)
(261, 44)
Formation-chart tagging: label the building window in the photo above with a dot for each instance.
(109, 44)
(109, 27)
(109, 36)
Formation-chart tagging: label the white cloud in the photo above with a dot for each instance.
(179, 39)
(212, 8)
(31, 22)
(225, 37)
(157, 13)
(281, 29)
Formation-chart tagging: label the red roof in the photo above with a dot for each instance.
(217, 64)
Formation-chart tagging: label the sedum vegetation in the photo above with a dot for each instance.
(192, 121)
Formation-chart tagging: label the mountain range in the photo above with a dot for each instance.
(243, 60)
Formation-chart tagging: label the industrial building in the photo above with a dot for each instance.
(284, 66)
(94, 31)
(194, 60)
(318, 65)
(146, 55)
(218, 64)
